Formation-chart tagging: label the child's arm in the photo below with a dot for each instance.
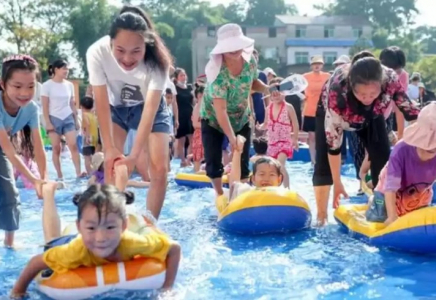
(121, 176)
(137, 184)
(176, 114)
(172, 264)
(195, 116)
(265, 120)
(92, 180)
(391, 207)
(294, 121)
(35, 265)
(235, 173)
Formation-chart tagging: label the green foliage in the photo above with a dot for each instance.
(427, 67)
(262, 13)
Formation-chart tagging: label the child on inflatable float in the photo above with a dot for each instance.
(102, 239)
(406, 181)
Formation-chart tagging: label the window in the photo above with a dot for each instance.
(357, 32)
(244, 30)
(300, 32)
(330, 57)
(272, 32)
(211, 31)
(301, 58)
(270, 53)
(329, 31)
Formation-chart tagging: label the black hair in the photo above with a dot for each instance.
(270, 161)
(23, 142)
(393, 57)
(260, 145)
(168, 91)
(105, 198)
(87, 102)
(365, 68)
(176, 74)
(21, 63)
(57, 64)
(134, 19)
(198, 90)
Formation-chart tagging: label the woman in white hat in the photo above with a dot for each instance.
(231, 78)
(316, 79)
(355, 98)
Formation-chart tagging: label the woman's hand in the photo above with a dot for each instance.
(240, 141)
(49, 127)
(38, 184)
(295, 144)
(338, 190)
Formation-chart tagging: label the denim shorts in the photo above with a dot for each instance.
(9, 196)
(128, 117)
(64, 126)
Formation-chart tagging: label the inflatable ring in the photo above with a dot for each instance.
(196, 180)
(83, 283)
(265, 210)
(413, 232)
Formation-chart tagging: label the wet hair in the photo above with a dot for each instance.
(23, 142)
(260, 145)
(270, 161)
(87, 102)
(11, 64)
(365, 68)
(105, 198)
(198, 90)
(134, 19)
(168, 91)
(176, 74)
(393, 57)
(17, 63)
(57, 64)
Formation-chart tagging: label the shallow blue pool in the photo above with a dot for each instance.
(316, 264)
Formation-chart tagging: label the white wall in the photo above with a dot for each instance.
(314, 51)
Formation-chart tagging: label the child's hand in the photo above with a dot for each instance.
(240, 141)
(295, 143)
(17, 295)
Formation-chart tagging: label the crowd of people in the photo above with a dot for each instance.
(211, 124)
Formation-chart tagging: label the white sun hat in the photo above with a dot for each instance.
(230, 38)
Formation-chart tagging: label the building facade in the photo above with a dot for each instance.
(292, 41)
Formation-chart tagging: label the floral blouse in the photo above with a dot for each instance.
(234, 90)
(340, 116)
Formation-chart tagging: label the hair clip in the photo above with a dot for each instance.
(18, 57)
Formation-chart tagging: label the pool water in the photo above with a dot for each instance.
(315, 264)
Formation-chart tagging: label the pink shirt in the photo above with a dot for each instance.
(403, 78)
(31, 164)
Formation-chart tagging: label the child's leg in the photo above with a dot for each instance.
(282, 158)
(51, 222)
(121, 177)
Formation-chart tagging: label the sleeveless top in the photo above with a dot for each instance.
(93, 127)
(279, 130)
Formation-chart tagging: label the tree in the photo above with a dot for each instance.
(392, 15)
(360, 45)
(427, 68)
(427, 36)
(263, 12)
(97, 15)
(234, 12)
(35, 28)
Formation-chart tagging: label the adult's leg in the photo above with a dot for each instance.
(322, 176)
(9, 201)
(245, 157)
(51, 222)
(70, 133)
(55, 140)
(212, 142)
(376, 141)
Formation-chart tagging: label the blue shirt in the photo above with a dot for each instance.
(258, 102)
(27, 115)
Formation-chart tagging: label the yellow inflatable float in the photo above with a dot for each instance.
(264, 210)
(413, 232)
(197, 180)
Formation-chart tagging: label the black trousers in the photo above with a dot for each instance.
(374, 137)
(212, 143)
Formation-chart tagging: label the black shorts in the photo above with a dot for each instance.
(308, 124)
(88, 150)
(213, 144)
